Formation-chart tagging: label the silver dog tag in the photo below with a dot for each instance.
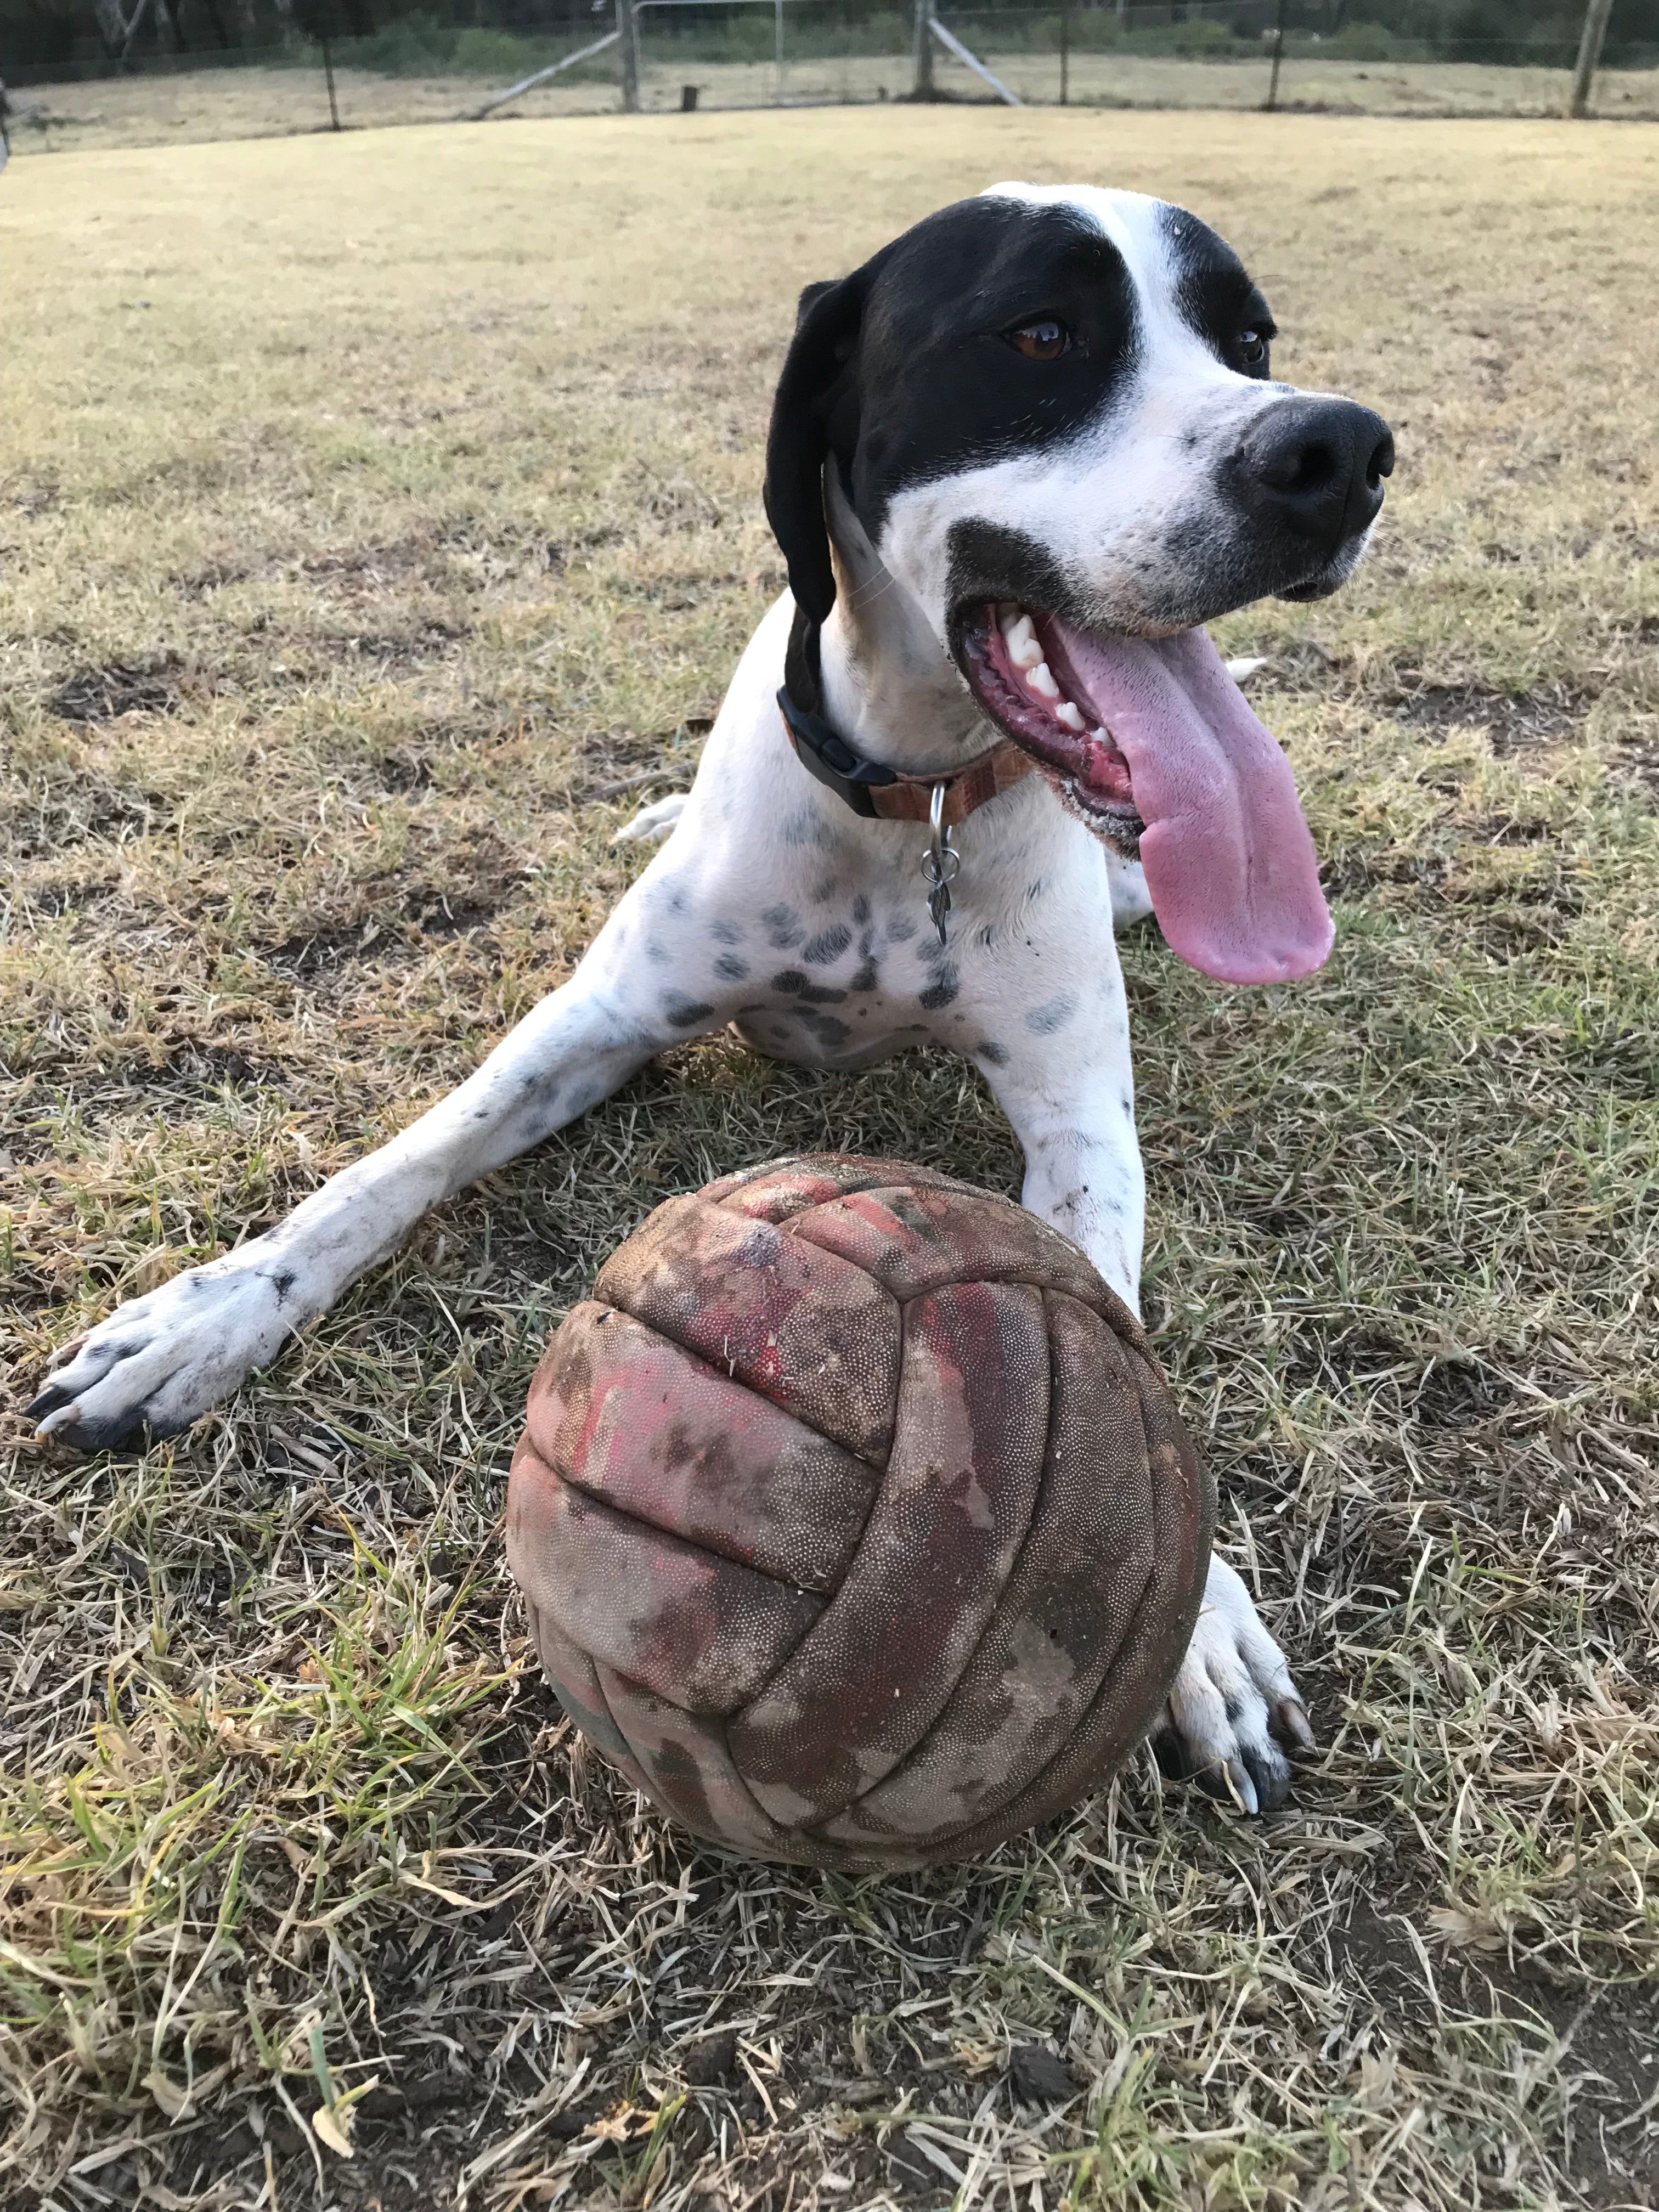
(940, 863)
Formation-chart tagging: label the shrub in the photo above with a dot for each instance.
(1363, 42)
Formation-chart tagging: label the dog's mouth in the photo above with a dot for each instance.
(1151, 743)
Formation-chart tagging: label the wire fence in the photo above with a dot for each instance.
(663, 54)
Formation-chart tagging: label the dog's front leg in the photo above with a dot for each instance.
(160, 1360)
(1067, 1086)
(1233, 1708)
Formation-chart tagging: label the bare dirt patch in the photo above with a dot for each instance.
(123, 687)
(1515, 721)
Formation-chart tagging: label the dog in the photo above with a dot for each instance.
(1016, 462)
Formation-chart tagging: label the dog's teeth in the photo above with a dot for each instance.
(1068, 714)
(1023, 649)
(1041, 681)
(1010, 619)
(1098, 733)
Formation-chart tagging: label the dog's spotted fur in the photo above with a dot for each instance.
(945, 470)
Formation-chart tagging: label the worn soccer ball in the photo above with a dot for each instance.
(853, 1519)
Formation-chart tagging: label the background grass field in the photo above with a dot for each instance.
(373, 511)
(165, 107)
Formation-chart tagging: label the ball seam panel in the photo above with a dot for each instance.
(1031, 1806)
(830, 1625)
(997, 1620)
(556, 1462)
(808, 1605)
(636, 1300)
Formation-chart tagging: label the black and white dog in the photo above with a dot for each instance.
(1016, 461)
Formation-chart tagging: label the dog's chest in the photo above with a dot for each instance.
(813, 936)
(816, 969)
(822, 1037)
(843, 984)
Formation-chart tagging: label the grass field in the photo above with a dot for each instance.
(260, 102)
(372, 511)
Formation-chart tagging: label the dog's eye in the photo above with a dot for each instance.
(1252, 348)
(1046, 339)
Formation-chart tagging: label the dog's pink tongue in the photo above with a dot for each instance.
(1229, 859)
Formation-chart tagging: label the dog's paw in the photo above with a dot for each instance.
(651, 821)
(1131, 900)
(1233, 1710)
(1241, 671)
(160, 1361)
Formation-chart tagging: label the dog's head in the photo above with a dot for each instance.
(1050, 412)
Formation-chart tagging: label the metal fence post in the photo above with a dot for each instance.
(1278, 56)
(328, 71)
(1589, 56)
(923, 86)
(628, 25)
(1065, 52)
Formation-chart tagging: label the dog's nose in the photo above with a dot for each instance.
(1317, 466)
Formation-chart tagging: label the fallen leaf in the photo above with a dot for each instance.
(1466, 1931)
(332, 2124)
(172, 2100)
(617, 2126)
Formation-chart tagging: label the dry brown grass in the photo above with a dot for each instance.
(370, 509)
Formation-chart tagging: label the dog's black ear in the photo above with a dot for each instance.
(816, 377)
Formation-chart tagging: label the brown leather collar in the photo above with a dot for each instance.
(909, 798)
(869, 786)
(998, 770)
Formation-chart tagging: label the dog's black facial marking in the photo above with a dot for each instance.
(1308, 472)
(907, 371)
(1191, 579)
(1191, 572)
(1217, 298)
(989, 561)
(942, 385)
